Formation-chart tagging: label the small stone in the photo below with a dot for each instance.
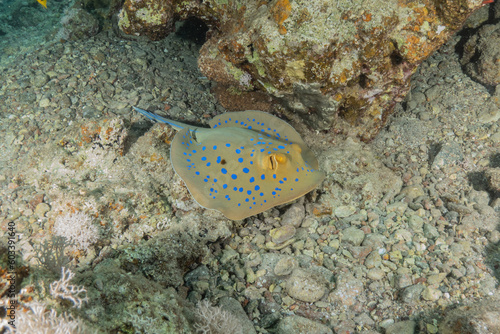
(416, 223)
(412, 293)
(353, 235)
(436, 278)
(41, 209)
(412, 192)
(398, 207)
(44, 103)
(449, 154)
(285, 266)
(373, 260)
(282, 234)
(40, 80)
(299, 325)
(228, 255)
(376, 274)
(402, 281)
(430, 231)
(305, 286)
(431, 294)
(294, 215)
(344, 211)
(402, 327)
(359, 252)
(347, 290)
(403, 235)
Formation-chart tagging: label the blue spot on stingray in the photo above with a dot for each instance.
(234, 176)
(247, 200)
(281, 147)
(263, 177)
(274, 176)
(215, 180)
(252, 179)
(240, 160)
(257, 187)
(205, 180)
(274, 193)
(284, 179)
(261, 194)
(197, 173)
(241, 190)
(280, 181)
(235, 188)
(239, 204)
(238, 151)
(219, 123)
(190, 141)
(246, 170)
(219, 159)
(203, 148)
(194, 151)
(262, 150)
(227, 196)
(236, 121)
(203, 158)
(249, 192)
(188, 160)
(215, 147)
(224, 186)
(223, 171)
(211, 189)
(296, 180)
(228, 145)
(208, 164)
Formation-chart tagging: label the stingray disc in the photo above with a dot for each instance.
(247, 163)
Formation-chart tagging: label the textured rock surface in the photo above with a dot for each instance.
(482, 54)
(341, 67)
(479, 318)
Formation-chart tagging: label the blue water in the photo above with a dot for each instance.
(25, 25)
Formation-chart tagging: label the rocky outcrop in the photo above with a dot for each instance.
(341, 65)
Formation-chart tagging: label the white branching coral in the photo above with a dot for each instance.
(77, 228)
(39, 320)
(214, 320)
(62, 289)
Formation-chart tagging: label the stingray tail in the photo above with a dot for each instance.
(156, 118)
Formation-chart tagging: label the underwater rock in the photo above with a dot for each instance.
(77, 24)
(342, 67)
(481, 55)
(478, 318)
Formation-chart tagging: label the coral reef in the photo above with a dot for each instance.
(342, 67)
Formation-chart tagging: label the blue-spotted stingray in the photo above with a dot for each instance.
(246, 163)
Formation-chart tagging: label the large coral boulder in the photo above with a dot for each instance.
(342, 65)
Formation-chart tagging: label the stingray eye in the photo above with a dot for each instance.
(280, 158)
(274, 160)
